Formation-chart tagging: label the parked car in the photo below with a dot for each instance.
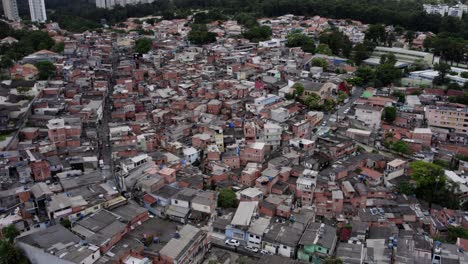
(265, 252)
(232, 242)
(251, 249)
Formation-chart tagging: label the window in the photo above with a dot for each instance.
(285, 247)
(176, 202)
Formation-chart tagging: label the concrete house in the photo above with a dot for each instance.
(317, 243)
(238, 229)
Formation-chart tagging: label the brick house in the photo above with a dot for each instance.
(254, 152)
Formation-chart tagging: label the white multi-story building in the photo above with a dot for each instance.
(369, 115)
(272, 134)
(444, 10)
(10, 8)
(38, 11)
(109, 4)
(457, 10)
(436, 9)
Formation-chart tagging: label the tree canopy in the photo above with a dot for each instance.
(8, 252)
(46, 69)
(338, 42)
(332, 260)
(386, 72)
(443, 69)
(199, 35)
(11, 254)
(143, 45)
(429, 177)
(258, 33)
(298, 89)
(323, 49)
(389, 114)
(299, 39)
(226, 198)
(10, 232)
(320, 62)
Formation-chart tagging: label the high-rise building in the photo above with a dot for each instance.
(38, 11)
(109, 4)
(10, 8)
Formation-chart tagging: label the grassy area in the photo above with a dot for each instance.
(4, 136)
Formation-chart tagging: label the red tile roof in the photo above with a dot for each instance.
(149, 199)
(462, 243)
(439, 92)
(455, 93)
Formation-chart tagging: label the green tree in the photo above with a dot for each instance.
(401, 147)
(313, 101)
(428, 177)
(400, 95)
(332, 260)
(246, 19)
(405, 187)
(298, 89)
(11, 254)
(386, 73)
(320, 62)
(328, 105)
(10, 232)
(360, 53)
(58, 47)
(338, 42)
(199, 35)
(377, 34)
(258, 33)
(46, 69)
(418, 65)
(443, 69)
(298, 39)
(388, 59)
(5, 63)
(455, 232)
(342, 96)
(389, 114)
(323, 49)
(226, 198)
(366, 73)
(65, 222)
(453, 86)
(355, 81)
(409, 36)
(143, 45)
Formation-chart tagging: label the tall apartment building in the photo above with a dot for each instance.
(38, 11)
(444, 10)
(436, 9)
(10, 8)
(451, 117)
(109, 4)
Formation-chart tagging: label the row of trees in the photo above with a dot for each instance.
(407, 14)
